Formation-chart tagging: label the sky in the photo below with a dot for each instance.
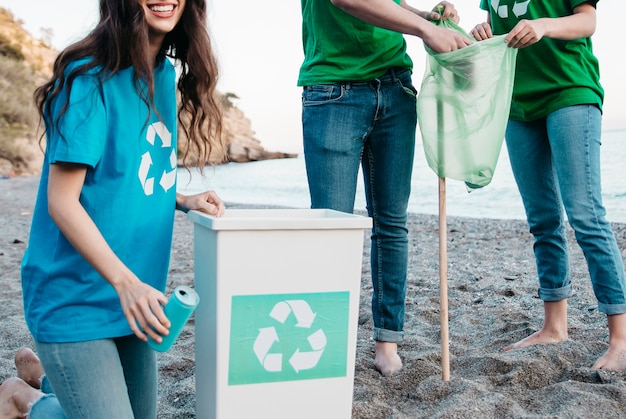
(259, 48)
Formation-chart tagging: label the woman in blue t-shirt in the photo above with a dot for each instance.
(96, 265)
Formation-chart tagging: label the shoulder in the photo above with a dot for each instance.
(83, 66)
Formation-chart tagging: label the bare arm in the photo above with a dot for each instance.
(580, 24)
(408, 20)
(141, 303)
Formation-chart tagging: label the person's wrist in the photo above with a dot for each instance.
(181, 208)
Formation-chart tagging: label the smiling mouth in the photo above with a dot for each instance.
(162, 8)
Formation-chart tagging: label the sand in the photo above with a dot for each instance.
(492, 302)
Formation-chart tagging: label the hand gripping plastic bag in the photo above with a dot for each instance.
(463, 108)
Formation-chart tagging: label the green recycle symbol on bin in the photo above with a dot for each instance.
(300, 359)
(288, 337)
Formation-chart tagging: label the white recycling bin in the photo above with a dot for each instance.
(277, 321)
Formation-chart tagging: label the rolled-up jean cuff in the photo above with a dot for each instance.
(555, 294)
(612, 309)
(384, 335)
(46, 407)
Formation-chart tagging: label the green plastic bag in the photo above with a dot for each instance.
(463, 108)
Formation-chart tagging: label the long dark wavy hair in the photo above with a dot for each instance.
(120, 40)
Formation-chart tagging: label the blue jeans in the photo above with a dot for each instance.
(46, 407)
(108, 378)
(373, 124)
(556, 164)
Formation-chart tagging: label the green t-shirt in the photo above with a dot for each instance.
(552, 73)
(339, 47)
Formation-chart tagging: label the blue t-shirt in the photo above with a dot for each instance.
(129, 192)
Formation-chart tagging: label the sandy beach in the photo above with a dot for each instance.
(492, 302)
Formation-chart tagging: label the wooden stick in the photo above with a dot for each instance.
(443, 281)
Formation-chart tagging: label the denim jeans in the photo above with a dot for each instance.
(556, 164)
(372, 124)
(47, 407)
(108, 378)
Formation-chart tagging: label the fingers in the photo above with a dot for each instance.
(208, 202)
(521, 40)
(481, 32)
(149, 325)
(449, 12)
(446, 40)
(459, 41)
(465, 42)
(524, 34)
(217, 205)
(444, 10)
(147, 318)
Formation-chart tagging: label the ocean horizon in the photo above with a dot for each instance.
(282, 182)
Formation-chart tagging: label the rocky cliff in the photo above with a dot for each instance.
(25, 62)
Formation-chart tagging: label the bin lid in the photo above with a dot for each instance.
(281, 219)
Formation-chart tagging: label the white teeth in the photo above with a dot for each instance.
(162, 9)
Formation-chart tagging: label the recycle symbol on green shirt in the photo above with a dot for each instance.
(519, 8)
(299, 360)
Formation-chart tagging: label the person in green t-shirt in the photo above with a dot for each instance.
(359, 107)
(553, 140)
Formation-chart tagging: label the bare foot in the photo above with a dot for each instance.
(387, 360)
(16, 397)
(554, 328)
(538, 338)
(615, 358)
(612, 360)
(29, 367)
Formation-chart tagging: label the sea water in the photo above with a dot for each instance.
(282, 182)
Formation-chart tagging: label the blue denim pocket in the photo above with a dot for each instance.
(321, 93)
(404, 80)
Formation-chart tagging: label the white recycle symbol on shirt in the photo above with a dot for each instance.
(168, 178)
(299, 360)
(519, 8)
